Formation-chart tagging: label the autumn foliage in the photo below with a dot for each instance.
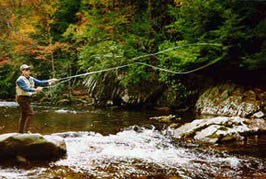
(65, 37)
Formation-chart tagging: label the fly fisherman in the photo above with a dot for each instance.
(25, 87)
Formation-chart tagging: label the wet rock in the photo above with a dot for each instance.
(259, 114)
(257, 125)
(167, 119)
(206, 134)
(231, 100)
(219, 129)
(24, 147)
(173, 126)
(66, 111)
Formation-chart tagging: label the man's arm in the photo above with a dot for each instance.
(21, 83)
(44, 82)
(40, 82)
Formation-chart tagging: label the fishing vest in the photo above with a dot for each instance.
(29, 82)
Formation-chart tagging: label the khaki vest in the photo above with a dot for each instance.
(29, 82)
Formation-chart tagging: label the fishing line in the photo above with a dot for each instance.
(176, 47)
(66, 79)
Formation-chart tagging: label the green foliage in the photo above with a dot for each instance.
(64, 16)
(238, 25)
(112, 37)
(101, 55)
(255, 61)
(255, 48)
(7, 82)
(102, 34)
(184, 57)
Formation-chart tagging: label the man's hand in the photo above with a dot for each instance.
(52, 81)
(38, 89)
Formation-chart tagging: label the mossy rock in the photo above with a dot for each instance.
(31, 147)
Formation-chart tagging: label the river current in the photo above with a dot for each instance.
(113, 143)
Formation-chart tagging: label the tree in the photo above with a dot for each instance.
(237, 25)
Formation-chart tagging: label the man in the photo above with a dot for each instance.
(25, 87)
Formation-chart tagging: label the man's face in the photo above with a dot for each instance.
(26, 72)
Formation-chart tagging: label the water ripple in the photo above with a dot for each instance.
(139, 152)
(142, 152)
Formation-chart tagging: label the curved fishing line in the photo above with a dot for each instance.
(178, 73)
(176, 47)
(65, 79)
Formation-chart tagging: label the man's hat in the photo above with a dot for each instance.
(24, 66)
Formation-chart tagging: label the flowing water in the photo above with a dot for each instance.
(113, 143)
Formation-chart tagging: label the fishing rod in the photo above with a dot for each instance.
(97, 71)
(65, 79)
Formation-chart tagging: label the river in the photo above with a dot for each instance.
(115, 143)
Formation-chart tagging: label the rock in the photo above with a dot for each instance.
(206, 134)
(166, 119)
(23, 147)
(250, 95)
(21, 159)
(231, 100)
(219, 129)
(110, 88)
(259, 114)
(257, 125)
(173, 126)
(189, 129)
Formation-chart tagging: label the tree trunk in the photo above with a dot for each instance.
(52, 55)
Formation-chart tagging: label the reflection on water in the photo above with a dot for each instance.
(123, 144)
(49, 119)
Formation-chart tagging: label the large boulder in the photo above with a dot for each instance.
(219, 129)
(232, 100)
(109, 90)
(26, 147)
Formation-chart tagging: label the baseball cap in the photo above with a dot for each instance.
(24, 66)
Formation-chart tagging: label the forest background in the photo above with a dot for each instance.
(61, 38)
